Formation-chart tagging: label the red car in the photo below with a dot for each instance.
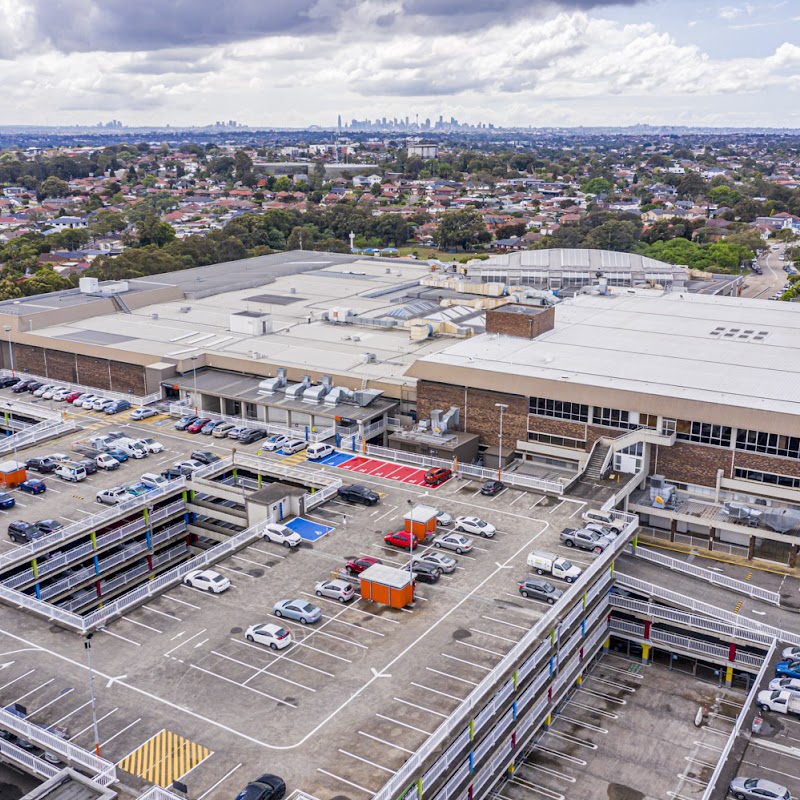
(402, 539)
(195, 427)
(436, 475)
(72, 397)
(357, 565)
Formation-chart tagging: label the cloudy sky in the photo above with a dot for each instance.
(303, 62)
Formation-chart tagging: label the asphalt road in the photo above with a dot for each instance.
(772, 279)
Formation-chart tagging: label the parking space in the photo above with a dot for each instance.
(308, 529)
(385, 469)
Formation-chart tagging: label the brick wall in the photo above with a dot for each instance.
(764, 463)
(521, 321)
(61, 366)
(483, 417)
(431, 395)
(92, 371)
(29, 358)
(557, 427)
(127, 378)
(692, 463)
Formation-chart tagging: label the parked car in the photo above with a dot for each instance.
(112, 496)
(318, 451)
(188, 467)
(41, 389)
(89, 465)
(402, 539)
(72, 397)
(596, 515)
(584, 539)
(172, 473)
(234, 433)
(22, 386)
(117, 407)
(23, 532)
(208, 428)
(118, 453)
(301, 610)
(42, 464)
(275, 442)
(758, 789)
(443, 518)
(151, 445)
(71, 472)
(292, 446)
(197, 425)
(785, 685)
(453, 541)
(791, 653)
(425, 572)
(441, 561)
(603, 530)
(492, 488)
(337, 589)
(33, 486)
(787, 669)
(153, 481)
(267, 787)
(282, 534)
(222, 430)
(62, 394)
(184, 422)
(49, 525)
(6, 500)
(7, 382)
(143, 413)
(539, 589)
(437, 475)
(358, 494)
(34, 386)
(475, 525)
(106, 461)
(101, 404)
(251, 435)
(355, 566)
(207, 580)
(205, 456)
(86, 402)
(270, 634)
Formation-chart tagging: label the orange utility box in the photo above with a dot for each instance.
(421, 521)
(12, 474)
(387, 585)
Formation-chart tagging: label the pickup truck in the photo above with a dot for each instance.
(782, 701)
(585, 539)
(551, 564)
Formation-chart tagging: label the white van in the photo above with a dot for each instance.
(71, 472)
(317, 451)
(131, 448)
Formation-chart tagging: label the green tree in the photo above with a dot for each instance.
(54, 187)
(242, 164)
(106, 221)
(463, 229)
(302, 237)
(9, 290)
(151, 230)
(598, 186)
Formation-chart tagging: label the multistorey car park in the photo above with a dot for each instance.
(444, 697)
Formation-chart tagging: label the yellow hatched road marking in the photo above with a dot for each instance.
(164, 758)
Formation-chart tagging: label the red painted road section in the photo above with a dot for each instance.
(386, 469)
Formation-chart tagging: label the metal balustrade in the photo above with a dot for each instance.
(30, 763)
(47, 429)
(707, 575)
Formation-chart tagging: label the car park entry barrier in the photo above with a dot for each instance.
(133, 399)
(707, 575)
(681, 600)
(481, 704)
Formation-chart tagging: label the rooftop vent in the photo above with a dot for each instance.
(747, 335)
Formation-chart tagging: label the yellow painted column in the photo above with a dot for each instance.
(579, 680)
(728, 675)
(645, 653)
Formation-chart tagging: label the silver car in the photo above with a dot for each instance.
(441, 561)
(453, 541)
(301, 610)
(336, 589)
(758, 789)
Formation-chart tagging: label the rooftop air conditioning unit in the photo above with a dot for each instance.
(370, 358)
(256, 355)
(154, 316)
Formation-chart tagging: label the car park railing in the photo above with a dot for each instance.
(313, 499)
(104, 772)
(90, 524)
(722, 760)
(46, 429)
(14, 406)
(707, 575)
(133, 399)
(681, 600)
(478, 706)
(30, 763)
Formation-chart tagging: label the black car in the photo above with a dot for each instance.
(89, 465)
(491, 488)
(42, 464)
(23, 532)
(425, 572)
(251, 435)
(172, 473)
(22, 386)
(205, 456)
(48, 525)
(8, 381)
(184, 422)
(33, 386)
(267, 787)
(358, 494)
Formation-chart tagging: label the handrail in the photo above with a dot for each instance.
(46, 429)
(707, 575)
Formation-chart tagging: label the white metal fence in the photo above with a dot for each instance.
(29, 762)
(46, 429)
(707, 575)
(133, 399)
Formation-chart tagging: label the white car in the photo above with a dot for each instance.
(151, 445)
(101, 403)
(443, 518)
(87, 401)
(143, 413)
(61, 394)
(475, 525)
(207, 580)
(153, 481)
(105, 461)
(190, 464)
(453, 541)
(603, 530)
(293, 446)
(791, 653)
(336, 589)
(274, 442)
(42, 389)
(785, 684)
(112, 496)
(441, 561)
(282, 534)
(270, 634)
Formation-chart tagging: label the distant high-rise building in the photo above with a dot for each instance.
(339, 122)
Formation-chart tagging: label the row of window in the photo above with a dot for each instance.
(703, 433)
(543, 407)
(557, 441)
(774, 444)
(767, 477)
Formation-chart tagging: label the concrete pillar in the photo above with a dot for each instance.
(645, 654)
(728, 675)
(793, 556)
(607, 645)
(711, 534)
(751, 548)
(673, 530)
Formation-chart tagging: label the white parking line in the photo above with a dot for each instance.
(581, 724)
(163, 613)
(185, 641)
(344, 780)
(420, 708)
(483, 649)
(262, 671)
(24, 675)
(74, 711)
(284, 658)
(367, 761)
(448, 675)
(117, 636)
(91, 725)
(250, 561)
(223, 778)
(470, 663)
(32, 691)
(402, 724)
(494, 635)
(242, 686)
(503, 622)
(141, 624)
(120, 732)
(54, 700)
(182, 602)
(235, 571)
(386, 742)
(436, 691)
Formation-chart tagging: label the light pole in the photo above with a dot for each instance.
(88, 646)
(10, 348)
(194, 379)
(502, 407)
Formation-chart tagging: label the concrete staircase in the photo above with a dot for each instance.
(594, 466)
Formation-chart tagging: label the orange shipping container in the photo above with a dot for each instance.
(12, 474)
(387, 585)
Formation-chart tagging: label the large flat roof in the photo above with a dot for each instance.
(735, 352)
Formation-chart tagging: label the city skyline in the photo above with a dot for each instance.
(570, 63)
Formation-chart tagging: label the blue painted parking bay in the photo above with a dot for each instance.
(335, 459)
(310, 531)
